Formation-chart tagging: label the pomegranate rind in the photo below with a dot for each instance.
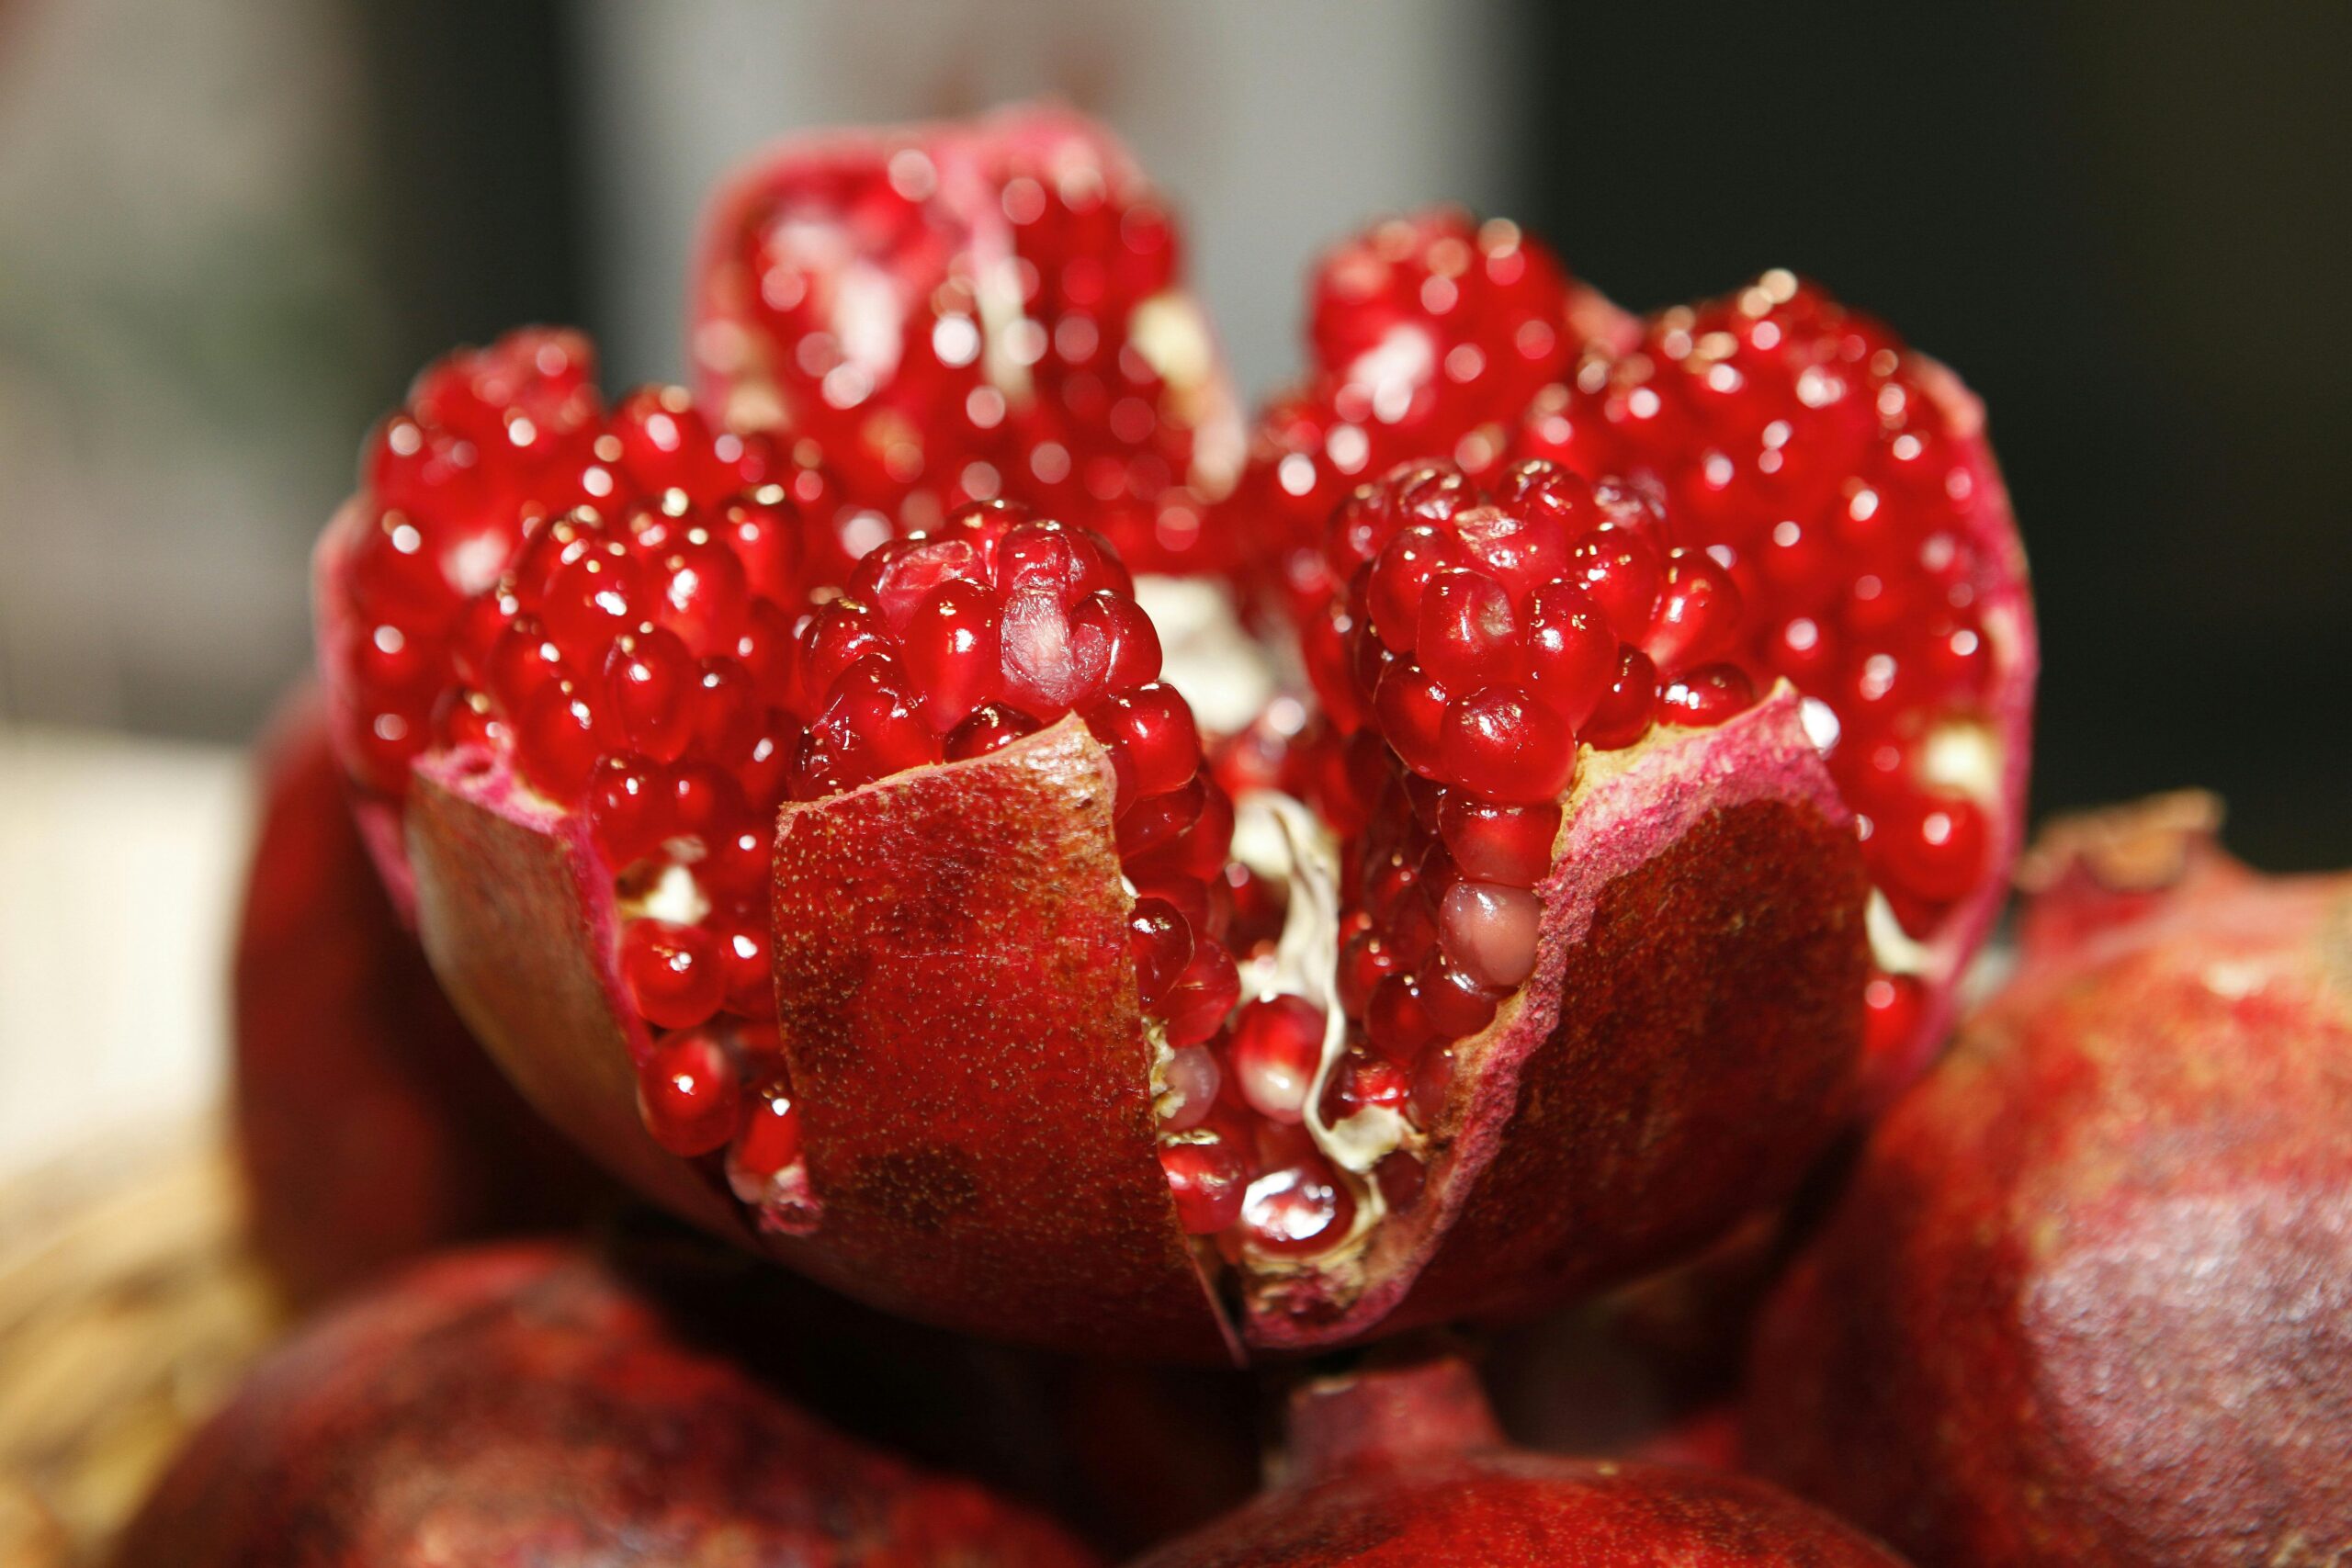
(531, 1404)
(515, 913)
(371, 1126)
(1403, 1466)
(2087, 1298)
(959, 1010)
(1688, 1044)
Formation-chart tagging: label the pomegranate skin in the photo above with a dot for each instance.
(979, 1120)
(526, 1404)
(371, 1127)
(2089, 1300)
(1421, 1476)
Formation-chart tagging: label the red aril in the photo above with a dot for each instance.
(989, 309)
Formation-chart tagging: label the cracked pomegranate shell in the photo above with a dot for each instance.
(972, 311)
(893, 918)
(2088, 1299)
(371, 1126)
(1403, 1466)
(527, 1403)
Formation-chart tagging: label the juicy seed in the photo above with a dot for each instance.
(1297, 1209)
(1276, 1048)
(689, 1094)
(1208, 1181)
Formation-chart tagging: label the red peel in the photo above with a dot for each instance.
(1402, 1465)
(2084, 1300)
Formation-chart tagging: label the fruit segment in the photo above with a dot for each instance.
(993, 310)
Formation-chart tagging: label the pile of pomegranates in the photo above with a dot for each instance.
(821, 793)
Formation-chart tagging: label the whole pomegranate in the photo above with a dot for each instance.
(2089, 1300)
(966, 311)
(371, 1126)
(527, 1403)
(893, 923)
(1403, 1466)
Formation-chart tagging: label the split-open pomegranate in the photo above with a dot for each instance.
(1832, 515)
(1402, 1465)
(887, 918)
(952, 313)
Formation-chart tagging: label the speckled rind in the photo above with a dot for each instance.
(528, 1405)
(1688, 1044)
(958, 1005)
(2089, 1300)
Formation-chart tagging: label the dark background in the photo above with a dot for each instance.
(2125, 225)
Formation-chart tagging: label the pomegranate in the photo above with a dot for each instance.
(1403, 1466)
(968, 311)
(371, 1126)
(1831, 516)
(2088, 1299)
(527, 1402)
(966, 1034)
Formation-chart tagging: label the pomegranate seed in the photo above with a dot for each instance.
(1467, 637)
(1571, 653)
(953, 652)
(1891, 1013)
(768, 1142)
(1452, 999)
(1161, 942)
(1364, 964)
(1298, 1210)
(1195, 1005)
(1624, 713)
(1191, 1080)
(556, 743)
(1707, 696)
(1489, 933)
(674, 974)
(1937, 850)
(1208, 1181)
(688, 1094)
(1364, 1082)
(1400, 575)
(988, 729)
(1621, 573)
(624, 809)
(1506, 844)
(1395, 1022)
(1503, 745)
(1149, 733)
(650, 680)
(1276, 1048)
(1699, 614)
(703, 593)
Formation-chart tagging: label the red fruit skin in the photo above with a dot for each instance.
(1686, 1046)
(1406, 1475)
(2089, 1300)
(371, 1126)
(525, 1404)
(958, 1006)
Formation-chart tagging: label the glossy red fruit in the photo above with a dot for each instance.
(527, 1403)
(967, 312)
(371, 1126)
(1835, 518)
(1429, 336)
(2085, 1301)
(1404, 1466)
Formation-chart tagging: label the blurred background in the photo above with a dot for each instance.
(230, 230)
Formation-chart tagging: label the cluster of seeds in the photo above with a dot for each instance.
(610, 597)
(1485, 637)
(1069, 374)
(1430, 334)
(1798, 444)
